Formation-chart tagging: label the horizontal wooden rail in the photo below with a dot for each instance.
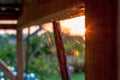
(8, 26)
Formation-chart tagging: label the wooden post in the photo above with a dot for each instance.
(101, 40)
(20, 62)
(61, 54)
(27, 53)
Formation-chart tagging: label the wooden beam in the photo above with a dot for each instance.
(10, 5)
(101, 40)
(6, 70)
(61, 54)
(9, 15)
(20, 60)
(8, 26)
(9, 11)
(118, 39)
(40, 11)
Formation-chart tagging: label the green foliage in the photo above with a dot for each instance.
(41, 44)
(42, 61)
(76, 76)
(73, 42)
(7, 50)
(44, 66)
(42, 54)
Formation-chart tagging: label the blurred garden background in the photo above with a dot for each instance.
(41, 58)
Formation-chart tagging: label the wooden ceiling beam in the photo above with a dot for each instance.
(11, 5)
(9, 15)
(8, 26)
(9, 11)
(37, 12)
(4, 17)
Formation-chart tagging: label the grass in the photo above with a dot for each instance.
(76, 76)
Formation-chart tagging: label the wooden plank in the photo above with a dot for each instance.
(118, 39)
(8, 26)
(20, 60)
(27, 54)
(6, 70)
(42, 11)
(10, 5)
(8, 17)
(9, 11)
(101, 40)
(61, 54)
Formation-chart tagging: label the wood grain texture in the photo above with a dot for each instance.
(61, 53)
(39, 11)
(100, 42)
(8, 26)
(20, 58)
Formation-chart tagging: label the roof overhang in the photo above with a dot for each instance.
(37, 12)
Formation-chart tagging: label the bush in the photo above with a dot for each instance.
(43, 66)
(8, 50)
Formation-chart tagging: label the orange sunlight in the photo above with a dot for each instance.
(74, 26)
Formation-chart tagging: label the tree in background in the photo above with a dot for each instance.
(8, 49)
(42, 58)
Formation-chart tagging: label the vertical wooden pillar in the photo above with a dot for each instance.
(20, 62)
(118, 40)
(101, 40)
(61, 54)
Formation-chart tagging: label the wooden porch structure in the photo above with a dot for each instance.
(102, 53)
(37, 12)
